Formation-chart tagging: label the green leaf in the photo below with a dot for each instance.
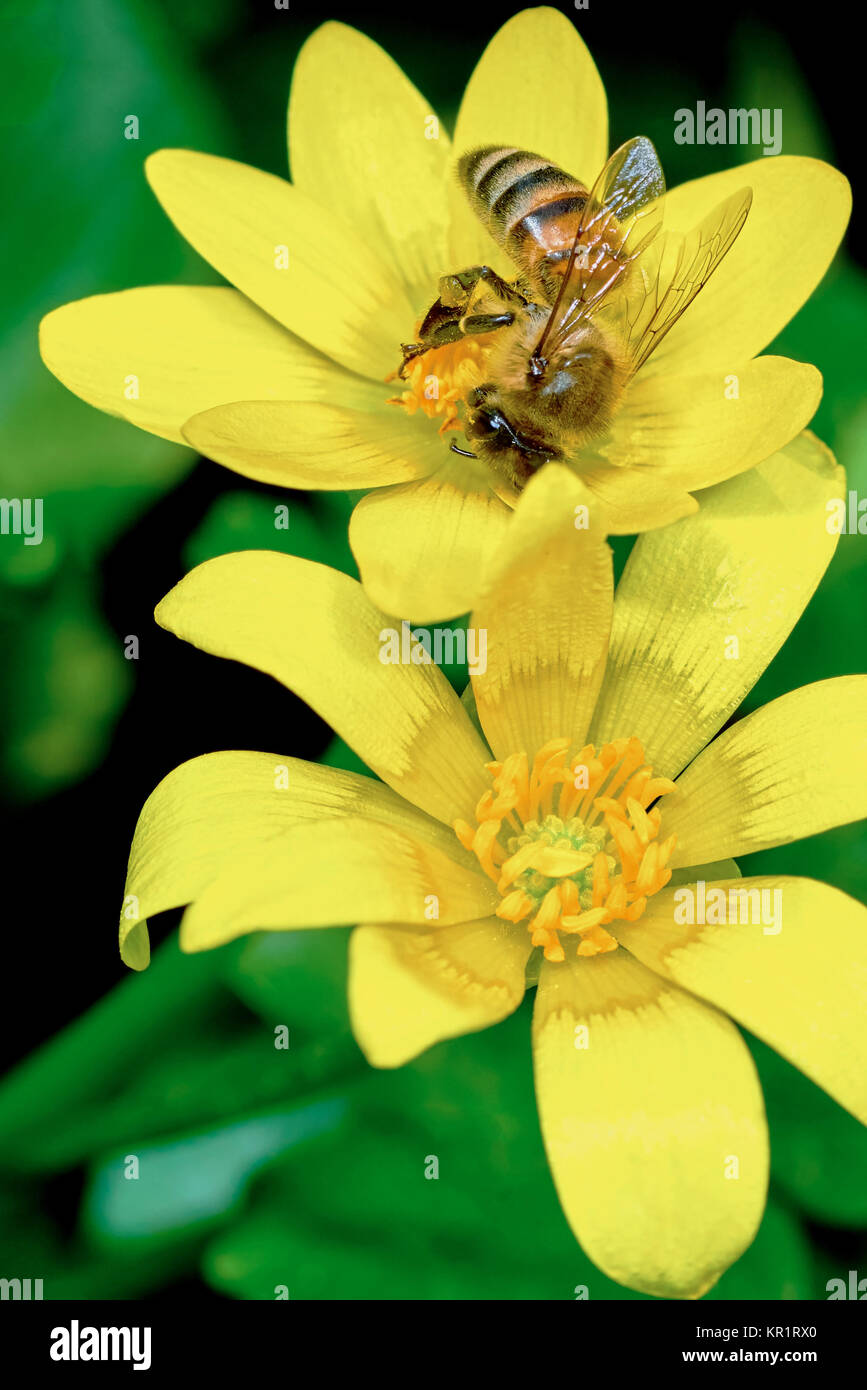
(818, 1150)
(778, 1265)
(294, 978)
(75, 174)
(364, 1220)
(88, 1065)
(64, 688)
(766, 76)
(313, 526)
(83, 221)
(196, 1179)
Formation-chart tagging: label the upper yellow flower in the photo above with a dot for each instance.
(347, 259)
(596, 719)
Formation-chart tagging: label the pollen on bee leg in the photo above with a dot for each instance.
(438, 381)
(573, 873)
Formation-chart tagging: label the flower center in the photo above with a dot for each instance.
(439, 380)
(571, 843)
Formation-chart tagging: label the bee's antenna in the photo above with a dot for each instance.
(466, 452)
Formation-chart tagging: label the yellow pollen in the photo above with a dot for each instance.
(572, 843)
(438, 381)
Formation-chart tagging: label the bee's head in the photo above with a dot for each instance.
(506, 441)
(497, 429)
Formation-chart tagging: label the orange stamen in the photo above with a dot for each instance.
(438, 381)
(595, 861)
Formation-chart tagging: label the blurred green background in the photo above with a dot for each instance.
(262, 1169)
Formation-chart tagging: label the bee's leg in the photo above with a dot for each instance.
(502, 288)
(448, 319)
(485, 323)
(440, 326)
(457, 290)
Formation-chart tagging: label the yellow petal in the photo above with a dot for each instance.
(536, 88)
(335, 292)
(409, 989)
(693, 432)
(335, 873)
(653, 1123)
(719, 868)
(775, 264)
(798, 982)
(228, 804)
(703, 606)
(367, 145)
(319, 445)
(422, 548)
(637, 499)
(315, 630)
(155, 356)
(791, 769)
(546, 610)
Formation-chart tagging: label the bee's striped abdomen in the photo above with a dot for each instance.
(530, 207)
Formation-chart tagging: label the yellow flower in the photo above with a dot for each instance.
(346, 259)
(529, 832)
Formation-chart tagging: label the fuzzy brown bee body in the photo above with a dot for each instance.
(589, 304)
(520, 421)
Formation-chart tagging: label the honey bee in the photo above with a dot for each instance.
(599, 286)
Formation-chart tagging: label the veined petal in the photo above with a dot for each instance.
(319, 445)
(775, 264)
(693, 432)
(335, 873)
(791, 769)
(515, 98)
(409, 989)
(637, 499)
(223, 805)
(798, 982)
(156, 355)
(300, 263)
(653, 1123)
(366, 144)
(546, 609)
(702, 608)
(422, 548)
(315, 630)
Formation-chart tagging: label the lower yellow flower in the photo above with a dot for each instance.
(563, 824)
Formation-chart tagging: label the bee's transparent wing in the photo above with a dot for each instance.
(621, 218)
(667, 280)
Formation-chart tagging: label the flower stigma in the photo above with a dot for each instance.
(571, 843)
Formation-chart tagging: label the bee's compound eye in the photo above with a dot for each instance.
(479, 425)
